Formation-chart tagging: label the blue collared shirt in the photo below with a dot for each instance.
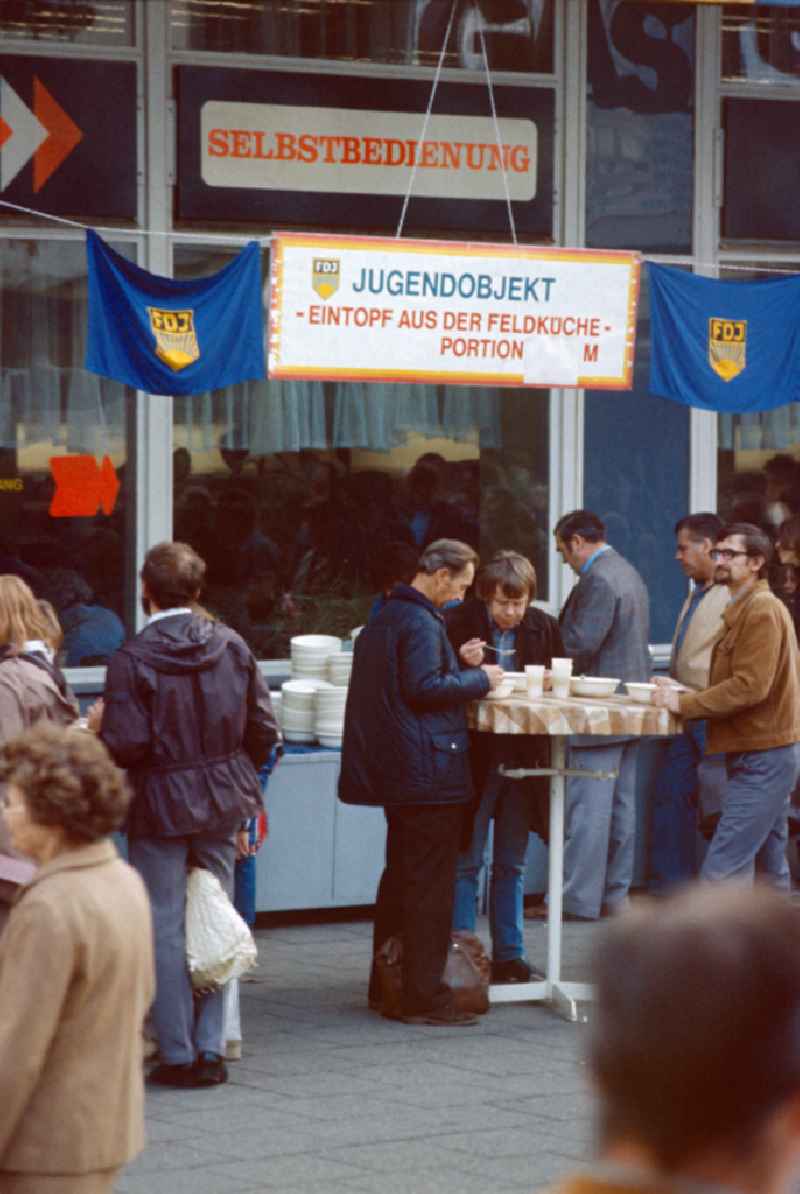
(505, 642)
(593, 557)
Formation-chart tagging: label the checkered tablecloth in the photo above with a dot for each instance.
(613, 715)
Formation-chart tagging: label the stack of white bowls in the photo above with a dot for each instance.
(329, 703)
(277, 700)
(309, 653)
(340, 664)
(297, 709)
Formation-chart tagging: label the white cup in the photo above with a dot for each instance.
(560, 672)
(534, 680)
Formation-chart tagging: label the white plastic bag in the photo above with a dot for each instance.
(219, 944)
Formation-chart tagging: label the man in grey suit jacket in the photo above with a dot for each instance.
(605, 625)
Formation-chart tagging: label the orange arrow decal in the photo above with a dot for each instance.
(64, 134)
(82, 486)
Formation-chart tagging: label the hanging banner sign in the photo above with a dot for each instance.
(174, 335)
(373, 309)
(722, 345)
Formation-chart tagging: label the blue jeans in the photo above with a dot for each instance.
(185, 1024)
(686, 771)
(505, 800)
(752, 831)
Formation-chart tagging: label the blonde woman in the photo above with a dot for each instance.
(31, 690)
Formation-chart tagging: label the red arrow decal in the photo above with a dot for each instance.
(82, 486)
(5, 132)
(109, 486)
(64, 134)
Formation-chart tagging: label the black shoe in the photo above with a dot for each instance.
(210, 1070)
(515, 970)
(173, 1075)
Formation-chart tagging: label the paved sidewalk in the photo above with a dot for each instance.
(330, 1097)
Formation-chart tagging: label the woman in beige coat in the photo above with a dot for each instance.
(76, 973)
(31, 689)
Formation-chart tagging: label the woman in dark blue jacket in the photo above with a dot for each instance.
(405, 748)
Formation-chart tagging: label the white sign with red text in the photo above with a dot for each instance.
(379, 309)
(349, 151)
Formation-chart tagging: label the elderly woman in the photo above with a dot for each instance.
(32, 688)
(76, 973)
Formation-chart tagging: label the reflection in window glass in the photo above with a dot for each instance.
(639, 173)
(82, 22)
(758, 181)
(70, 535)
(518, 33)
(294, 491)
(637, 477)
(758, 464)
(761, 44)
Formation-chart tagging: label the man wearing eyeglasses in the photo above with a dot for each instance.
(752, 705)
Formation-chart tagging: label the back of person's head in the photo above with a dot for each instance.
(67, 779)
(756, 542)
(20, 616)
(580, 522)
(789, 534)
(174, 574)
(66, 587)
(700, 526)
(695, 1037)
(397, 562)
(510, 572)
(451, 554)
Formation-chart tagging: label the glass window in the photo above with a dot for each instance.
(761, 44)
(82, 22)
(66, 495)
(758, 180)
(293, 492)
(639, 171)
(637, 477)
(518, 33)
(758, 459)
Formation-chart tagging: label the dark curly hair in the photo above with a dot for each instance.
(68, 779)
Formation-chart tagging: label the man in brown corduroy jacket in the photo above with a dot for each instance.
(752, 706)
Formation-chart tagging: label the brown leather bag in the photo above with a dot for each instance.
(467, 973)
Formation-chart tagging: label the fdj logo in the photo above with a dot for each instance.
(325, 276)
(176, 340)
(727, 344)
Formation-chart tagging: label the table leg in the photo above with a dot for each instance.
(564, 997)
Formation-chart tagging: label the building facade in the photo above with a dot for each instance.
(661, 128)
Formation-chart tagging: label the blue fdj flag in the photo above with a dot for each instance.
(174, 336)
(724, 346)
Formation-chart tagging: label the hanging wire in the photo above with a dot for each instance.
(511, 223)
(728, 266)
(424, 129)
(217, 238)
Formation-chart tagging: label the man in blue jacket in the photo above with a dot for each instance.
(405, 747)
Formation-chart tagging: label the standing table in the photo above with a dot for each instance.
(558, 718)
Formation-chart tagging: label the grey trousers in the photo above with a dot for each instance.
(600, 829)
(752, 832)
(185, 1024)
